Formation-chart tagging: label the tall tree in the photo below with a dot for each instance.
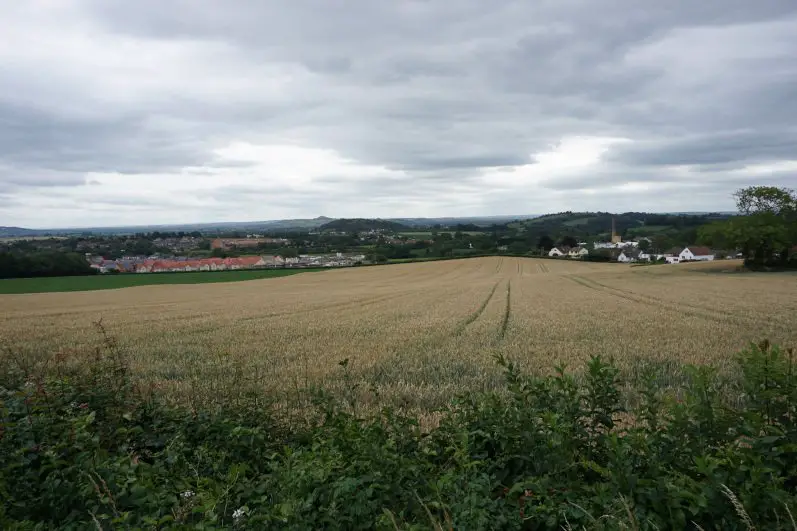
(546, 243)
(569, 241)
(766, 199)
(766, 228)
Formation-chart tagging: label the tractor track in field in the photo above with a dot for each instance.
(591, 284)
(657, 300)
(360, 303)
(507, 312)
(442, 337)
(717, 316)
(730, 316)
(479, 311)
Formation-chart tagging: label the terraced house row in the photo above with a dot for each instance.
(156, 264)
(208, 264)
(180, 265)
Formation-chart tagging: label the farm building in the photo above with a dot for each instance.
(628, 256)
(703, 254)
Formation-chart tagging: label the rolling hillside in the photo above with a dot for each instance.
(363, 225)
(597, 225)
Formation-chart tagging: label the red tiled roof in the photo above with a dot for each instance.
(249, 260)
(165, 264)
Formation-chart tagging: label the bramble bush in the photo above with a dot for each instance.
(86, 449)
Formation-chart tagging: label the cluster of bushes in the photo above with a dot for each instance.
(85, 450)
(598, 256)
(783, 260)
(43, 264)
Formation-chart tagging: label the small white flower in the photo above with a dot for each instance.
(73, 405)
(188, 494)
(239, 513)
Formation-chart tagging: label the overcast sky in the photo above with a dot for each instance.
(118, 112)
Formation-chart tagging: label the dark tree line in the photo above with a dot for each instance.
(43, 264)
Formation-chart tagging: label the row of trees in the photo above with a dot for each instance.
(44, 264)
(765, 231)
(110, 247)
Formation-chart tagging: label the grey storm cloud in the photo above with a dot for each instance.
(31, 139)
(440, 91)
(722, 148)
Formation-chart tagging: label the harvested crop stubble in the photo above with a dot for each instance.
(415, 335)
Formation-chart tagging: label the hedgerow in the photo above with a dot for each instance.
(84, 448)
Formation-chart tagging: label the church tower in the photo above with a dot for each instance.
(615, 237)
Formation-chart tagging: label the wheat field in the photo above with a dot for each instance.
(414, 335)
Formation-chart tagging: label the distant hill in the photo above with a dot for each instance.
(244, 226)
(363, 225)
(481, 221)
(584, 223)
(297, 223)
(16, 232)
(598, 225)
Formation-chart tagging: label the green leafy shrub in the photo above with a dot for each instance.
(86, 449)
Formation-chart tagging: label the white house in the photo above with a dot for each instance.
(702, 254)
(626, 257)
(577, 252)
(555, 252)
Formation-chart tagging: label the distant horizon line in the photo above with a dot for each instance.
(274, 221)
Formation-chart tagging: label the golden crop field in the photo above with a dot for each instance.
(415, 335)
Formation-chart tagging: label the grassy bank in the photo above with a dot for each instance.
(127, 280)
(83, 448)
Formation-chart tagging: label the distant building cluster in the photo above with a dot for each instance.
(178, 245)
(673, 256)
(628, 252)
(186, 265)
(208, 264)
(574, 252)
(336, 260)
(244, 243)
